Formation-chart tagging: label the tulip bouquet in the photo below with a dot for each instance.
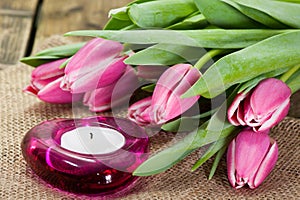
(221, 70)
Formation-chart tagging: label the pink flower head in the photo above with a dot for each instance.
(45, 84)
(166, 102)
(97, 64)
(116, 94)
(251, 157)
(263, 107)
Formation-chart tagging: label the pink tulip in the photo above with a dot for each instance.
(45, 82)
(166, 102)
(97, 64)
(263, 107)
(251, 157)
(116, 94)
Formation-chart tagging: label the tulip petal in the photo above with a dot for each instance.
(267, 165)
(231, 163)
(167, 83)
(90, 54)
(234, 111)
(113, 95)
(255, 146)
(30, 90)
(167, 102)
(139, 111)
(177, 105)
(277, 91)
(52, 93)
(48, 70)
(100, 77)
(97, 64)
(276, 117)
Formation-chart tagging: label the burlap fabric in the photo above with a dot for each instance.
(20, 112)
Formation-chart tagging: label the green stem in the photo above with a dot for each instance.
(209, 55)
(289, 73)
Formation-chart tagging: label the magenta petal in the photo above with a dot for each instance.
(168, 82)
(267, 165)
(52, 93)
(277, 116)
(175, 81)
(30, 90)
(96, 64)
(139, 111)
(275, 89)
(177, 105)
(231, 163)
(255, 146)
(91, 53)
(113, 95)
(48, 70)
(233, 111)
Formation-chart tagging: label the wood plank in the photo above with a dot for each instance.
(16, 19)
(27, 5)
(59, 17)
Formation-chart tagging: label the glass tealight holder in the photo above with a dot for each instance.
(92, 156)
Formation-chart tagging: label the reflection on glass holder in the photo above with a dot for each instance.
(93, 156)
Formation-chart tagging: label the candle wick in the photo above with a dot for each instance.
(91, 135)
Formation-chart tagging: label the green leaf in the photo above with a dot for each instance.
(61, 51)
(160, 13)
(206, 38)
(212, 150)
(149, 88)
(256, 15)
(223, 15)
(192, 22)
(246, 87)
(140, 1)
(172, 155)
(215, 129)
(119, 19)
(64, 64)
(52, 54)
(120, 13)
(218, 157)
(185, 124)
(166, 54)
(275, 53)
(36, 61)
(294, 81)
(285, 12)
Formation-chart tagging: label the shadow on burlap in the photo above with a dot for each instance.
(20, 112)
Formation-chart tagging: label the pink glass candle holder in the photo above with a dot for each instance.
(93, 156)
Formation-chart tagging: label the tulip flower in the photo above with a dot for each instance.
(97, 64)
(263, 107)
(116, 94)
(45, 84)
(166, 102)
(251, 156)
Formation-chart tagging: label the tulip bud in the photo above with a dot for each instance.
(166, 102)
(45, 84)
(263, 107)
(96, 64)
(116, 94)
(251, 157)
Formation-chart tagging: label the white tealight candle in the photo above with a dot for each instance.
(92, 140)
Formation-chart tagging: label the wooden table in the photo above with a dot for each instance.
(24, 24)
